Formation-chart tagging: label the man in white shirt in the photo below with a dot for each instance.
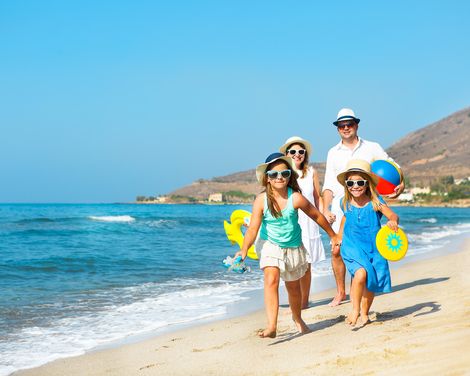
(350, 147)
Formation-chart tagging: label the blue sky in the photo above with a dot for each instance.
(102, 101)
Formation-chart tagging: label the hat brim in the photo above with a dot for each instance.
(307, 145)
(261, 169)
(342, 176)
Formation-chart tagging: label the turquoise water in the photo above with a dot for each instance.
(74, 277)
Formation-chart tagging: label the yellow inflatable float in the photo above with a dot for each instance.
(234, 230)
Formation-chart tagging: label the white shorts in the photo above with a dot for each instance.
(292, 261)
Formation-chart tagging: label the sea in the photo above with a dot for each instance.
(80, 277)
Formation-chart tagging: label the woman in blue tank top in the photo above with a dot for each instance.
(282, 254)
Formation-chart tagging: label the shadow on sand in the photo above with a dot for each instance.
(320, 325)
(432, 307)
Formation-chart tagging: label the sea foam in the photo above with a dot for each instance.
(112, 218)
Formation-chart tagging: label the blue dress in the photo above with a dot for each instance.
(358, 248)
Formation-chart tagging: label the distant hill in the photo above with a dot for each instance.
(244, 181)
(440, 149)
(426, 155)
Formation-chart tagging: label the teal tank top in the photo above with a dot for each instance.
(285, 230)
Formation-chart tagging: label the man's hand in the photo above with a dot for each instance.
(398, 190)
(330, 217)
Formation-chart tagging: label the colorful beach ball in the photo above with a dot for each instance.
(389, 175)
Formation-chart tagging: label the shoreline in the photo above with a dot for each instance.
(421, 306)
(462, 204)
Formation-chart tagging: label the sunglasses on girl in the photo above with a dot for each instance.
(359, 183)
(294, 152)
(272, 174)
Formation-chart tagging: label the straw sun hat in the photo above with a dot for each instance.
(296, 140)
(357, 165)
(261, 169)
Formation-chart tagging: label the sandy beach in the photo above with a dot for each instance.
(421, 328)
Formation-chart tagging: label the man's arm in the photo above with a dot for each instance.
(327, 193)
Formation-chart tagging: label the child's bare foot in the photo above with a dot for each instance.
(364, 319)
(337, 300)
(352, 318)
(266, 333)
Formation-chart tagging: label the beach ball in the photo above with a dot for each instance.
(389, 175)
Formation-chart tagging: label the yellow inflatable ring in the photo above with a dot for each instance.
(234, 232)
(391, 245)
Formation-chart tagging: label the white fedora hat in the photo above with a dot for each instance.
(357, 165)
(261, 169)
(346, 114)
(296, 140)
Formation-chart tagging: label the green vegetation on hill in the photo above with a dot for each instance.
(240, 195)
(446, 190)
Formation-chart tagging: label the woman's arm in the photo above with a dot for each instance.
(316, 192)
(255, 223)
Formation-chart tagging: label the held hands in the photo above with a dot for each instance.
(393, 225)
(335, 243)
(330, 217)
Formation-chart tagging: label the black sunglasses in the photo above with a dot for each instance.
(359, 183)
(294, 152)
(273, 174)
(348, 124)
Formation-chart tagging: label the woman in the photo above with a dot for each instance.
(299, 150)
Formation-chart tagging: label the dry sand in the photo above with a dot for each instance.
(422, 328)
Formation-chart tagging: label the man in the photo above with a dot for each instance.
(350, 147)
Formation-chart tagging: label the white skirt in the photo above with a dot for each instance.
(292, 261)
(315, 250)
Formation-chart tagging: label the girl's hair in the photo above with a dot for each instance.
(292, 183)
(304, 164)
(370, 191)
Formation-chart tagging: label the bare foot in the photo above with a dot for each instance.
(364, 320)
(266, 333)
(337, 300)
(302, 327)
(352, 318)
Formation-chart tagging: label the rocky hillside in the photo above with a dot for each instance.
(239, 182)
(440, 149)
(426, 155)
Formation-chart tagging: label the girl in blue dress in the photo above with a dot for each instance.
(363, 208)
(280, 249)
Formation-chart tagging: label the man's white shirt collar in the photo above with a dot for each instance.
(340, 145)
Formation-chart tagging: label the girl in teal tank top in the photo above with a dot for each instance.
(282, 255)
(284, 230)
